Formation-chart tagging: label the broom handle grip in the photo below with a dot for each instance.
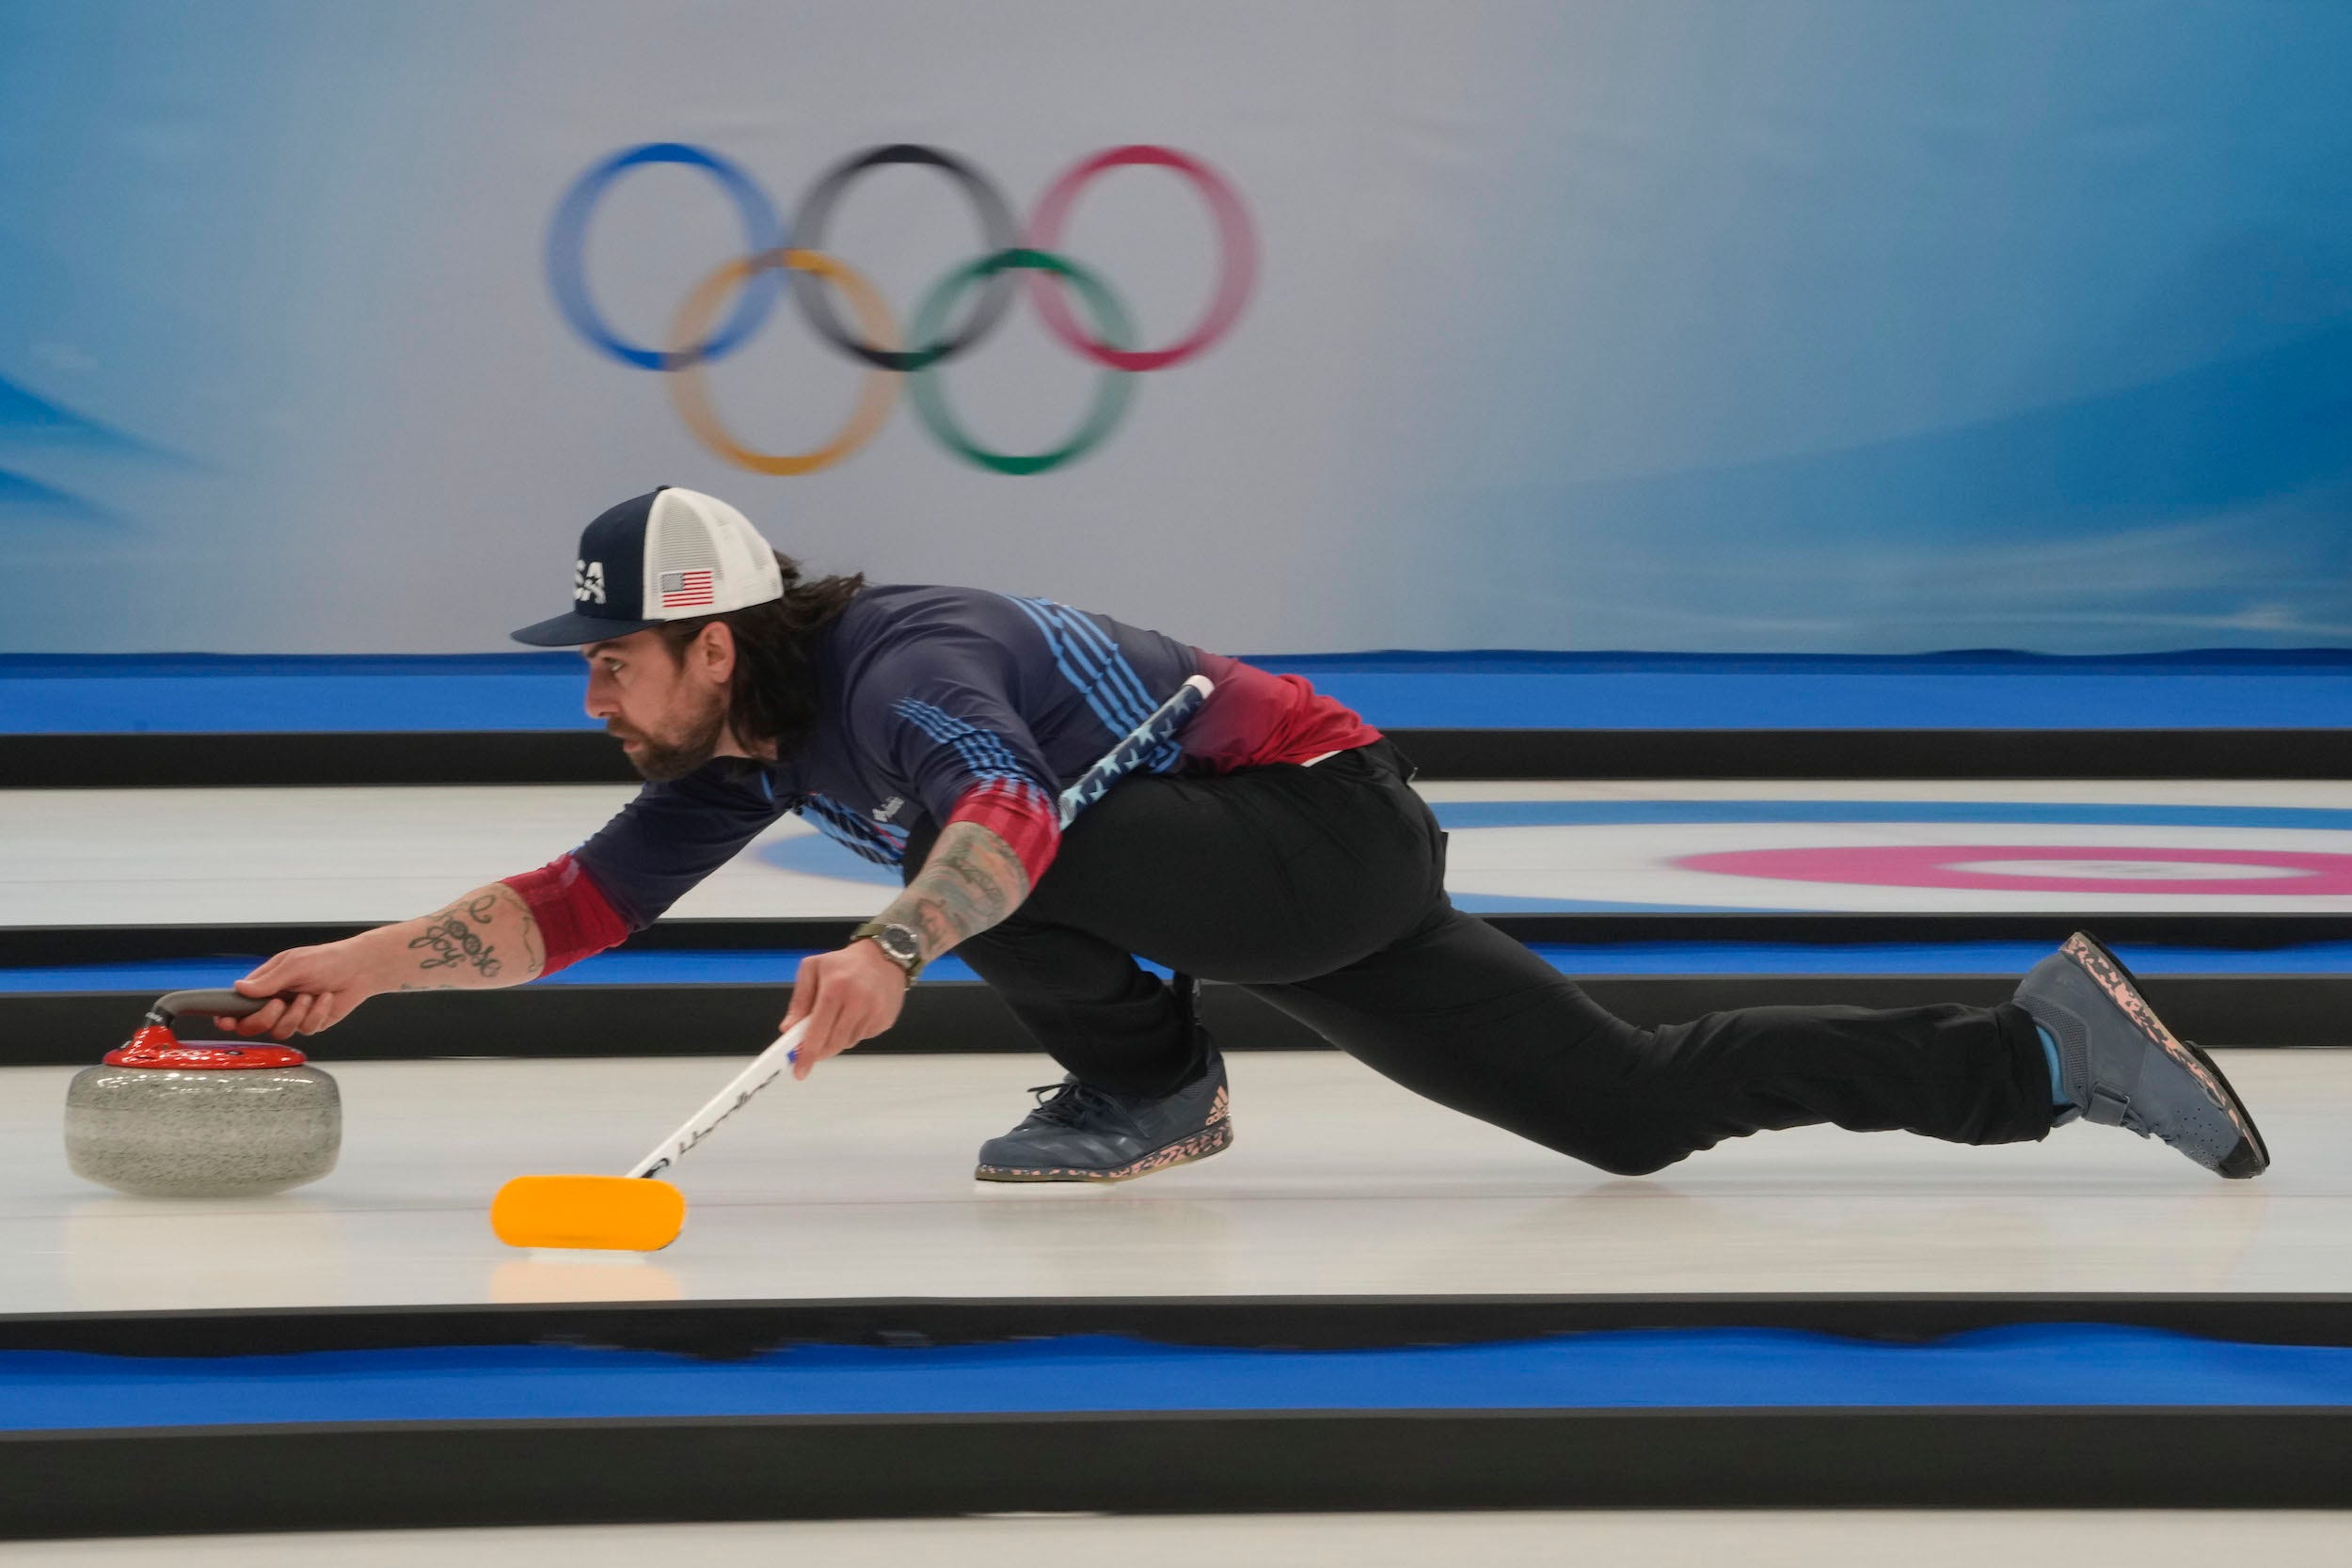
(1136, 747)
(765, 1068)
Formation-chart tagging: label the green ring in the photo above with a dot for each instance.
(930, 398)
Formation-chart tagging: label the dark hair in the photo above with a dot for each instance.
(771, 697)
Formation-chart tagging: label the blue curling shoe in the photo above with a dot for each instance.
(2122, 1068)
(1079, 1133)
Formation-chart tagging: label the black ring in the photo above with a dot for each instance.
(997, 228)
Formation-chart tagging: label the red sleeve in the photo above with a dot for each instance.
(1018, 813)
(575, 918)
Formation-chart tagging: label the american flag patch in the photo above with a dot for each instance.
(681, 589)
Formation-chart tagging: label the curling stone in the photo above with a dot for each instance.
(163, 1118)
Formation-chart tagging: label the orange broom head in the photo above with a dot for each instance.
(608, 1213)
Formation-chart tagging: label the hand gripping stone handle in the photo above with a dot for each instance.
(221, 1004)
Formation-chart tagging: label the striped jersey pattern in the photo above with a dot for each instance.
(869, 840)
(1100, 671)
(983, 752)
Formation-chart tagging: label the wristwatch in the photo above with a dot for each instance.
(899, 944)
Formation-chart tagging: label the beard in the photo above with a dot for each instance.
(663, 760)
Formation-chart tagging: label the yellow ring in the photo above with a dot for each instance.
(694, 399)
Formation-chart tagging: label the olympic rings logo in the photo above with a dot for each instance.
(698, 336)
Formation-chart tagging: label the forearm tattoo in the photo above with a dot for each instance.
(971, 880)
(457, 939)
(451, 938)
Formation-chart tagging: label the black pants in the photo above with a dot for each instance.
(1322, 890)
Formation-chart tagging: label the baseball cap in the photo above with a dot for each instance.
(667, 555)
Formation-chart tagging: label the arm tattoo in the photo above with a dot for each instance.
(454, 939)
(971, 880)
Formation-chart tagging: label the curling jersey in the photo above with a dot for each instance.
(935, 705)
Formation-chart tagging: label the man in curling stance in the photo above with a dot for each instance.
(1275, 844)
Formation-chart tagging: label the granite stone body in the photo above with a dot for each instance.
(194, 1132)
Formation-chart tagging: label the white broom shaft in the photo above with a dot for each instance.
(765, 1068)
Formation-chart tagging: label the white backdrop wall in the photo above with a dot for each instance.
(1789, 325)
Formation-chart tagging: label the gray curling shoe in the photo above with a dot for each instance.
(1079, 1133)
(2124, 1069)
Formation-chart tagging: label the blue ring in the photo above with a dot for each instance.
(567, 256)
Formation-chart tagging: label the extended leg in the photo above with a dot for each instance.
(1465, 1016)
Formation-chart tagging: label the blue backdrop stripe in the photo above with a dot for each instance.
(169, 695)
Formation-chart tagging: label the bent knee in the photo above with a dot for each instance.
(1622, 1150)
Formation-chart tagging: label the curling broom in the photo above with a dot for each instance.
(640, 1212)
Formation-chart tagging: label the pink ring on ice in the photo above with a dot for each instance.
(2071, 868)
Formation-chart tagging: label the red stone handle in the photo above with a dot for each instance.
(153, 1045)
(212, 1004)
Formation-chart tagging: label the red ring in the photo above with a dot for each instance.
(1235, 277)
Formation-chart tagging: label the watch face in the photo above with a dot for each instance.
(899, 942)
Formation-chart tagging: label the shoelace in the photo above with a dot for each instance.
(1067, 1103)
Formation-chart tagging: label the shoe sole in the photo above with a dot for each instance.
(2251, 1157)
(1213, 1139)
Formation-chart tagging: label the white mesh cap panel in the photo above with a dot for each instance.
(703, 556)
(683, 541)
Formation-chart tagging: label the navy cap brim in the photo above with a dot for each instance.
(575, 630)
